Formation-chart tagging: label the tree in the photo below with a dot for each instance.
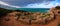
(57, 7)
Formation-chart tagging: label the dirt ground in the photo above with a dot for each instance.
(52, 23)
(12, 22)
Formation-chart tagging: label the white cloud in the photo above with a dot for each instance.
(43, 5)
(3, 3)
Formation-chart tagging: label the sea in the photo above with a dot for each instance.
(42, 10)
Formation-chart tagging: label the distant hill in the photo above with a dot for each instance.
(4, 11)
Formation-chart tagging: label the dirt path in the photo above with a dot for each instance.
(53, 23)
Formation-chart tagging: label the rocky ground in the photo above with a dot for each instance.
(24, 18)
(11, 20)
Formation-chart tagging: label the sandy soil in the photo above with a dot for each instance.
(52, 23)
(12, 22)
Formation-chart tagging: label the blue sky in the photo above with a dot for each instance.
(30, 3)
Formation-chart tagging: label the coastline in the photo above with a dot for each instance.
(12, 13)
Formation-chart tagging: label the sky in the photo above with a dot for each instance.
(30, 3)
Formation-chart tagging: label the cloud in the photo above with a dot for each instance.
(43, 5)
(23, 2)
(31, 3)
(3, 3)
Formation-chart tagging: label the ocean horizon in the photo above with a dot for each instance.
(33, 9)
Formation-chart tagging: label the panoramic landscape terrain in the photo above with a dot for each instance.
(29, 12)
(25, 18)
